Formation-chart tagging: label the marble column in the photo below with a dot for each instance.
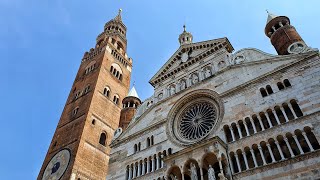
(298, 144)
(279, 149)
(289, 147)
(271, 153)
(153, 164)
(253, 125)
(254, 158)
(284, 114)
(261, 124)
(232, 133)
(231, 165)
(139, 170)
(276, 116)
(246, 127)
(130, 173)
(262, 155)
(148, 166)
(159, 161)
(201, 174)
(291, 109)
(134, 171)
(238, 162)
(308, 142)
(239, 130)
(245, 160)
(268, 119)
(143, 168)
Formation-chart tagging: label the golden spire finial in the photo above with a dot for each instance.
(184, 27)
(120, 10)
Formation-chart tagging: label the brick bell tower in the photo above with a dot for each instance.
(283, 36)
(130, 104)
(79, 148)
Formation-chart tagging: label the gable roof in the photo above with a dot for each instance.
(204, 48)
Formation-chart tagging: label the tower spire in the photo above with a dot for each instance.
(118, 17)
(185, 37)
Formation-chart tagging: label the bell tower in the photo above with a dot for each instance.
(80, 146)
(283, 36)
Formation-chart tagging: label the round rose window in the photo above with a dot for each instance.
(197, 120)
(194, 117)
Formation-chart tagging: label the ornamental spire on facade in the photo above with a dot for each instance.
(185, 37)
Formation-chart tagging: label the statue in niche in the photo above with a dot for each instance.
(195, 79)
(211, 173)
(239, 59)
(193, 171)
(182, 85)
(221, 177)
(221, 64)
(172, 90)
(173, 177)
(207, 72)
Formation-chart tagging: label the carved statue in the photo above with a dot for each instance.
(208, 73)
(193, 170)
(194, 79)
(211, 173)
(221, 177)
(182, 85)
(173, 177)
(172, 90)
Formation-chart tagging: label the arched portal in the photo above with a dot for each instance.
(174, 173)
(210, 160)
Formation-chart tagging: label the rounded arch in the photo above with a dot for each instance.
(174, 172)
(103, 138)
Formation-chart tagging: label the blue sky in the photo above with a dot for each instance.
(42, 43)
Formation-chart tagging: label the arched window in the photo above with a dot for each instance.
(148, 142)
(135, 148)
(296, 108)
(116, 99)
(75, 111)
(116, 71)
(90, 67)
(103, 138)
(169, 151)
(269, 89)
(86, 90)
(106, 91)
(139, 146)
(287, 83)
(152, 141)
(280, 86)
(111, 69)
(263, 92)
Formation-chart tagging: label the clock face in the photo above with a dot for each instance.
(184, 57)
(57, 165)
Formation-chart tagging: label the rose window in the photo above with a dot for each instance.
(197, 120)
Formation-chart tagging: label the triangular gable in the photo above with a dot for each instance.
(196, 51)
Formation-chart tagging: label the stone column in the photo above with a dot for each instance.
(182, 176)
(271, 153)
(253, 125)
(153, 164)
(220, 165)
(298, 144)
(200, 74)
(284, 113)
(245, 160)
(246, 127)
(254, 158)
(143, 168)
(268, 119)
(231, 165)
(201, 174)
(239, 130)
(289, 147)
(148, 165)
(308, 142)
(232, 134)
(275, 116)
(279, 149)
(291, 109)
(262, 155)
(159, 161)
(238, 163)
(134, 171)
(139, 170)
(261, 124)
(130, 173)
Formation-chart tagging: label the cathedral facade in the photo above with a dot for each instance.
(214, 114)
(219, 114)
